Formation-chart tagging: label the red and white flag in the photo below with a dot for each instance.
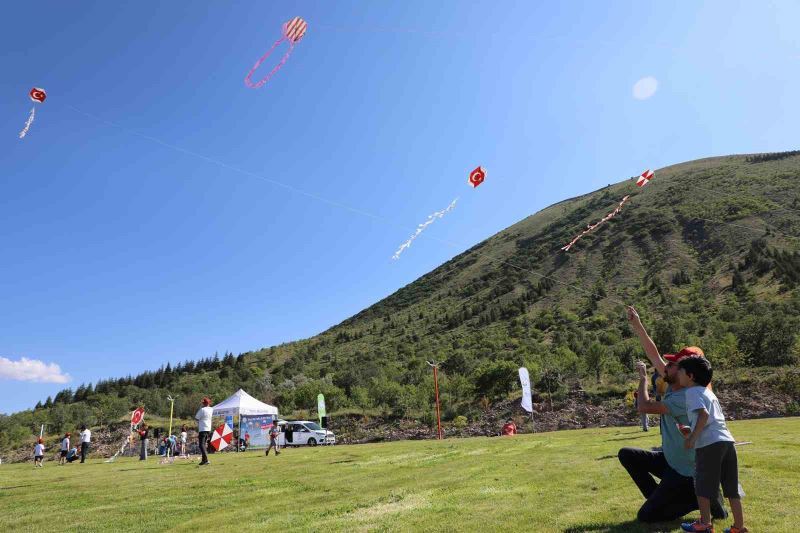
(477, 176)
(221, 437)
(645, 178)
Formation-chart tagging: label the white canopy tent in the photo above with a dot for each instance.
(241, 403)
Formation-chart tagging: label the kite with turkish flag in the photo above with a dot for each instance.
(477, 176)
(645, 178)
(221, 437)
(137, 416)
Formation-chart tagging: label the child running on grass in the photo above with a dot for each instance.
(715, 454)
(38, 453)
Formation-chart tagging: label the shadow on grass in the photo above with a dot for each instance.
(641, 435)
(16, 487)
(625, 527)
(606, 457)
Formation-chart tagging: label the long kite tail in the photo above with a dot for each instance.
(431, 219)
(593, 226)
(249, 82)
(28, 123)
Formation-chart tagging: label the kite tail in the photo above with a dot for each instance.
(431, 219)
(593, 226)
(28, 123)
(276, 68)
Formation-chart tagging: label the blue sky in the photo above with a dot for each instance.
(119, 252)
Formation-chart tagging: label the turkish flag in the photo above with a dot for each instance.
(477, 176)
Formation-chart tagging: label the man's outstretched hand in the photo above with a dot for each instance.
(633, 316)
(642, 369)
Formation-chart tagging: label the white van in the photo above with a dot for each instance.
(303, 433)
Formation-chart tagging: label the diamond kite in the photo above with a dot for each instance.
(293, 31)
(593, 226)
(477, 176)
(221, 437)
(645, 178)
(37, 96)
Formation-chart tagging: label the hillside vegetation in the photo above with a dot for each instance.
(708, 253)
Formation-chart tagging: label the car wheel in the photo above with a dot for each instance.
(312, 442)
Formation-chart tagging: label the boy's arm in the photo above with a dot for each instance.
(647, 343)
(702, 419)
(645, 405)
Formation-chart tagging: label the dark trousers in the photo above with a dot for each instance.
(84, 451)
(204, 435)
(669, 499)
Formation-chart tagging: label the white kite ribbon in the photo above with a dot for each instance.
(431, 219)
(28, 123)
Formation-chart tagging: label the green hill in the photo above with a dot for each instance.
(708, 253)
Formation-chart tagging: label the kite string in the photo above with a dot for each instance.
(339, 204)
(275, 69)
(28, 123)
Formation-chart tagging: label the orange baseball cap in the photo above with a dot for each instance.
(688, 351)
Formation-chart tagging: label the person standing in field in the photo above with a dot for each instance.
(86, 439)
(38, 453)
(64, 449)
(203, 417)
(273, 439)
(144, 435)
(184, 435)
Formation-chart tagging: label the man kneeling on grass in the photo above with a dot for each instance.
(673, 496)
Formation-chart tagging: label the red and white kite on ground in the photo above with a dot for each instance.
(645, 178)
(221, 437)
(477, 176)
(38, 96)
(593, 226)
(137, 416)
(293, 31)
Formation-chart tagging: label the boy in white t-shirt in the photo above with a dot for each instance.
(38, 453)
(715, 454)
(62, 459)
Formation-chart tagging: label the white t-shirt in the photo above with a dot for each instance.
(86, 436)
(203, 418)
(65, 444)
(38, 450)
(701, 398)
(183, 437)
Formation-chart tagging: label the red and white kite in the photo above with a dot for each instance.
(645, 178)
(593, 226)
(477, 176)
(38, 96)
(221, 437)
(293, 31)
(137, 416)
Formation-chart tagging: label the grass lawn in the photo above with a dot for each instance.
(562, 481)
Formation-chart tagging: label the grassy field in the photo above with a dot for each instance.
(563, 481)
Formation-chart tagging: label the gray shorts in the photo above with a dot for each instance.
(716, 464)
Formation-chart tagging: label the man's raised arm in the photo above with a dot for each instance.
(647, 343)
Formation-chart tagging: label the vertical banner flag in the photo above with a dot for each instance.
(321, 407)
(525, 381)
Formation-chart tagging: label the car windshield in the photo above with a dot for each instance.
(313, 426)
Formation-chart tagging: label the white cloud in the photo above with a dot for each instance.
(645, 88)
(32, 370)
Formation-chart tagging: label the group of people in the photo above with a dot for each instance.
(68, 451)
(697, 453)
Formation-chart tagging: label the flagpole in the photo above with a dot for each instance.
(435, 367)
